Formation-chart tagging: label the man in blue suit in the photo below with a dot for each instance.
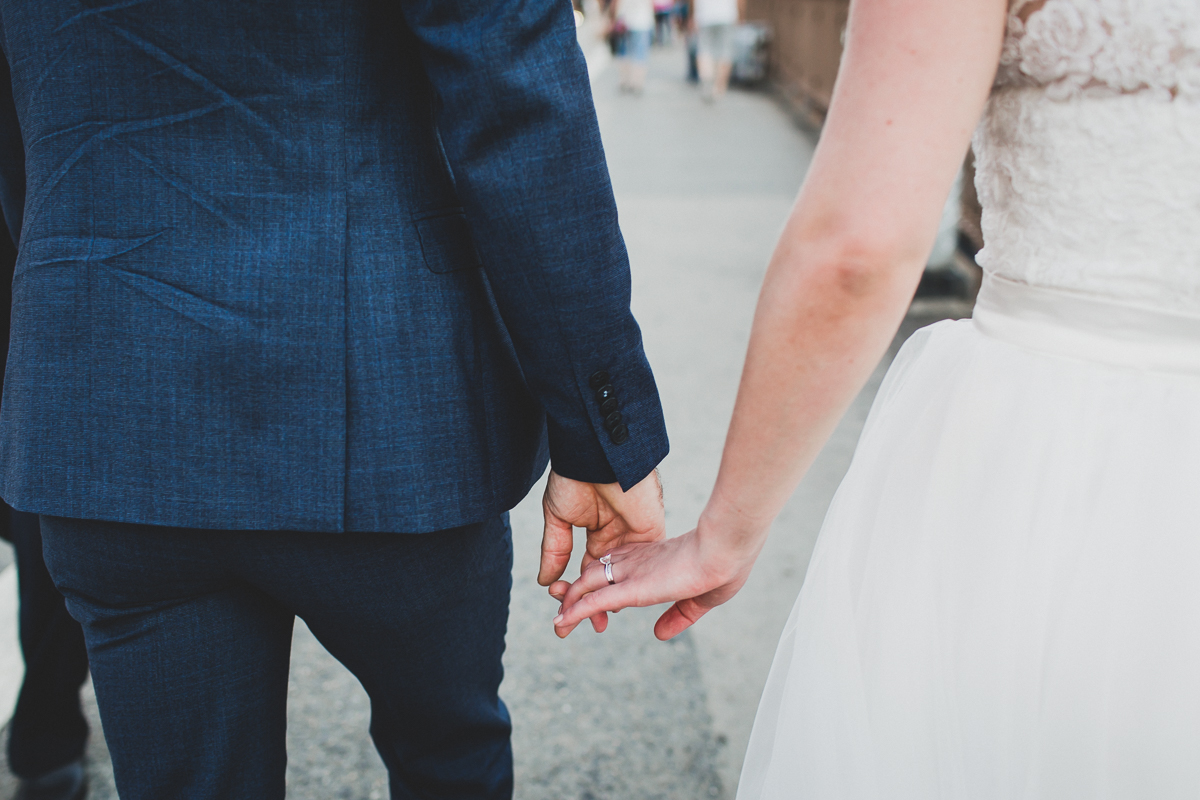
(307, 295)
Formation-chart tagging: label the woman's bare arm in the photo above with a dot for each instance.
(913, 81)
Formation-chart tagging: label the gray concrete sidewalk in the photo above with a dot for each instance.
(702, 191)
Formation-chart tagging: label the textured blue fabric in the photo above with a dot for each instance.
(308, 265)
(189, 634)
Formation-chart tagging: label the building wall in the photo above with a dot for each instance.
(806, 46)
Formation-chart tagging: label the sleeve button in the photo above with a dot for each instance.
(609, 406)
(619, 434)
(613, 420)
(604, 392)
(598, 379)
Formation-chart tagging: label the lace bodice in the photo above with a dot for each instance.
(1098, 47)
(1088, 156)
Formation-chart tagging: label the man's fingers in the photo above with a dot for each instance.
(557, 540)
(599, 622)
(604, 541)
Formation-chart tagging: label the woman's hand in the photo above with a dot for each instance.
(612, 517)
(697, 572)
(910, 89)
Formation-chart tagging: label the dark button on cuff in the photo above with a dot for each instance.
(606, 399)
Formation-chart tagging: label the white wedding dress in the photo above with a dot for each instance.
(1004, 601)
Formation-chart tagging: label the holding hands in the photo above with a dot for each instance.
(612, 517)
(696, 572)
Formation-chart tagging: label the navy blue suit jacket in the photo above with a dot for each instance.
(309, 264)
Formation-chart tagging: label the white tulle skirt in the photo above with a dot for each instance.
(1004, 601)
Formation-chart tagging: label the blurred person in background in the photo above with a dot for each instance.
(636, 19)
(664, 14)
(47, 733)
(714, 22)
(689, 37)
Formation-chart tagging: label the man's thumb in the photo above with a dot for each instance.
(557, 540)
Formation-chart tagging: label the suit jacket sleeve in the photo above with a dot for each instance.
(12, 201)
(518, 126)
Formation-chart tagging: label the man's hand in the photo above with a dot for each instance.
(612, 518)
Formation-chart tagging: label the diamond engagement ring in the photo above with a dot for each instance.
(606, 560)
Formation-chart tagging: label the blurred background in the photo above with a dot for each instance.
(704, 179)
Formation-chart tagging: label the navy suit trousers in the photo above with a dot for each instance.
(189, 632)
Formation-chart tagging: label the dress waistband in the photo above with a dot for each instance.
(1086, 326)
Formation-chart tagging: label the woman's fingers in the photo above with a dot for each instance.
(670, 624)
(644, 574)
(591, 580)
(590, 605)
(648, 574)
(631, 565)
(678, 618)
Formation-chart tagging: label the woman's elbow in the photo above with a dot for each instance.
(859, 268)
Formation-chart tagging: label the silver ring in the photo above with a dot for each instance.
(606, 560)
